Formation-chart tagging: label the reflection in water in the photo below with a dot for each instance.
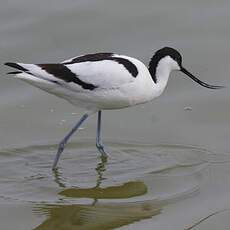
(88, 217)
(143, 177)
(127, 190)
(97, 216)
(100, 169)
(58, 178)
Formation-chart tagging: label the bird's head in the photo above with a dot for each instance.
(171, 59)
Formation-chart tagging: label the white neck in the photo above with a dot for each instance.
(163, 70)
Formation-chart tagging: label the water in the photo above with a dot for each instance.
(168, 158)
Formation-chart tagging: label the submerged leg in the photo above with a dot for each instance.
(66, 138)
(99, 144)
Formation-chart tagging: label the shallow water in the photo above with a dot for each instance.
(169, 159)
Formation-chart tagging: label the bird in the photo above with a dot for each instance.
(104, 81)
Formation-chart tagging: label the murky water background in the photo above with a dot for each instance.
(169, 159)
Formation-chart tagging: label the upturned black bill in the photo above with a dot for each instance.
(199, 81)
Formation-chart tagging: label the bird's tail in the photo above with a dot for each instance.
(30, 77)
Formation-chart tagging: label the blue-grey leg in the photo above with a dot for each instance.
(66, 138)
(99, 144)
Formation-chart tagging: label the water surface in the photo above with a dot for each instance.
(168, 158)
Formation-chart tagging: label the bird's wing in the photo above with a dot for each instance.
(88, 72)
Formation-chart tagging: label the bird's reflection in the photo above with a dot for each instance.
(97, 215)
(125, 190)
(58, 178)
(100, 168)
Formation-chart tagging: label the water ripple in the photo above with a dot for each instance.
(167, 171)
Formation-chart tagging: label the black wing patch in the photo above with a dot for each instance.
(127, 64)
(105, 56)
(64, 73)
(14, 72)
(16, 66)
(90, 57)
(57, 70)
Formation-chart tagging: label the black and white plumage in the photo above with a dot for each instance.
(104, 81)
(93, 81)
